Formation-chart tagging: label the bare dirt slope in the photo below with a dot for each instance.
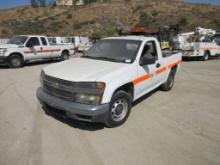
(100, 18)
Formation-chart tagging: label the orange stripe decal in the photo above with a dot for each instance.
(174, 64)
(142, 78)
(42, 51)
(157, 72)
(161, 70)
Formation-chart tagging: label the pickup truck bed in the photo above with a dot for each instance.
(167, 53)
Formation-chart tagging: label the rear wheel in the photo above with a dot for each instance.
(206, 56)
(120, 107)
(168, 85)
(15, 61)
(65, 56)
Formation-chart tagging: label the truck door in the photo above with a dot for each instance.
(33, 49)
(147, 78)
(217, 42)
(46, 50)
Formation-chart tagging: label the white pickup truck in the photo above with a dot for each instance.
(205, 48)
(101, 85)
(21, 49)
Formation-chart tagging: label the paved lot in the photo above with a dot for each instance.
(181, 127)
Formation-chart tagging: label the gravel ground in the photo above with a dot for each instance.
(180, 127)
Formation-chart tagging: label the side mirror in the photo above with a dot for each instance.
(147, 61)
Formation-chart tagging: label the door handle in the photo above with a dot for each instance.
(158, 65)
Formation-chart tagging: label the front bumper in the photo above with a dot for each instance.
(3, 60)
(83, 112)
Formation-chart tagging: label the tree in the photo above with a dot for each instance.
(34, 3)
(42, 3)
(183, 22)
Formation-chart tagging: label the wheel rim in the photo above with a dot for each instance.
(119, 109)
(206, 56)
(65, 57)
(16, 62)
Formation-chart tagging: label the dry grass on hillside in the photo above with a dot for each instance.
(100, 19)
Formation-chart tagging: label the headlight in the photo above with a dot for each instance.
(92, 92)
(90, 85)
(3, 51)
(94, 99)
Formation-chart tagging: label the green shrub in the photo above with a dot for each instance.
(110, 30)
(97, 35)
(144, 20)
(183, 22)
(217, 23)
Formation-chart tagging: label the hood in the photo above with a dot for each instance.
(83, 69)
(8, 46)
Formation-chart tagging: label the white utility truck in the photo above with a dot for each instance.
(21, 49)
(101, 85)
(203, 49)
(199, 44)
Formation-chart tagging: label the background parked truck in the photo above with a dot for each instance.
(202, 43)
(21, 49)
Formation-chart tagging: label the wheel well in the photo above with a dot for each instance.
(65, 50)
(208, 51)
(174, 68)
(129, 88)
(18, 54)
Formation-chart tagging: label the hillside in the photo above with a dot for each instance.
(99, 19)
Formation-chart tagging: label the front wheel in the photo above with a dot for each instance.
(120, 107)
(64, 56)
(15, 61)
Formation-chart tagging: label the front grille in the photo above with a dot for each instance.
(58, 87)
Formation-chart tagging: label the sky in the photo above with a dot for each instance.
(4, 4)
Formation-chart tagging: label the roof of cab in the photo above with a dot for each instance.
(32, 35)
(140, 38)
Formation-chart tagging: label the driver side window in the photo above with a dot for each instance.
(34, 41)
(150, 50)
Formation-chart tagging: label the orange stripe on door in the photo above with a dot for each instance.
(141, 79)
(174, 64)
(161, 70)
(157, 72)
(42, 51)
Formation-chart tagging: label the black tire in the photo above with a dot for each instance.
(64, 56)
(119, 110)
(168, 85)
(206, 56)
(15, 61)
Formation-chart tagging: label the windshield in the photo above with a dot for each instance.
(115, 50)
(17, 40)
